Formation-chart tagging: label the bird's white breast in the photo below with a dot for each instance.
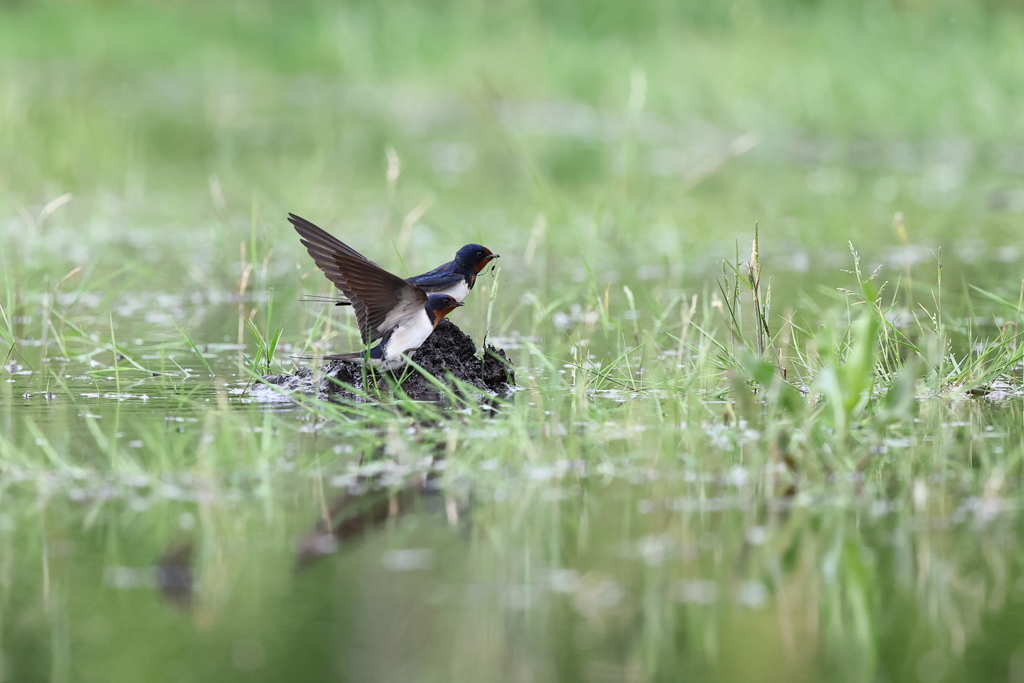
(459, 291)
(408, 336)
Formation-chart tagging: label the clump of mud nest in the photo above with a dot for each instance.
(448, 352)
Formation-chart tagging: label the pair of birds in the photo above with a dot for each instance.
(400, 313)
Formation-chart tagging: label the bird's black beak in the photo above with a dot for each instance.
(460, 303)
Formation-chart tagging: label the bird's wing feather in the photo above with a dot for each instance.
(379, 298)
(411, 300)
(324, 237)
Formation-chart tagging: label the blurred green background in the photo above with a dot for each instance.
(641, 141)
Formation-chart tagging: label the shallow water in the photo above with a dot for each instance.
(697, 588)
(160, 522)
(194, 545)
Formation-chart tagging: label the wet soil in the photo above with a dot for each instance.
(448, 352)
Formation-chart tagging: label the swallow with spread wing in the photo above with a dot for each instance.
(455, 278)
(401, 315)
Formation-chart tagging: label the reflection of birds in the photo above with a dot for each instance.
(454, 278)
(399, 314)
(174, 574)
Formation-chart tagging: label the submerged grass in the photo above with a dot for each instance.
(825, 395)
(669, 470)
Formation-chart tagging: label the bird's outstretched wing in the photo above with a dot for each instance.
(380, 299)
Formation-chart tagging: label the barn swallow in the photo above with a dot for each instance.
(454, 278)
(399, 314)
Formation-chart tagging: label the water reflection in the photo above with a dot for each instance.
(368, 504)
(576, 578)
(174, 574)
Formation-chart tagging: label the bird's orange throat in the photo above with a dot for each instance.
(440, 314)
(483, 264)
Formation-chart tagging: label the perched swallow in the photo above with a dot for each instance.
(399, 314)
(407, 335)
(454, 278)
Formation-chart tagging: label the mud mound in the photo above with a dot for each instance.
(447, 352)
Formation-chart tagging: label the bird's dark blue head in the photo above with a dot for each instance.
(474, 257)
(440, 305)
